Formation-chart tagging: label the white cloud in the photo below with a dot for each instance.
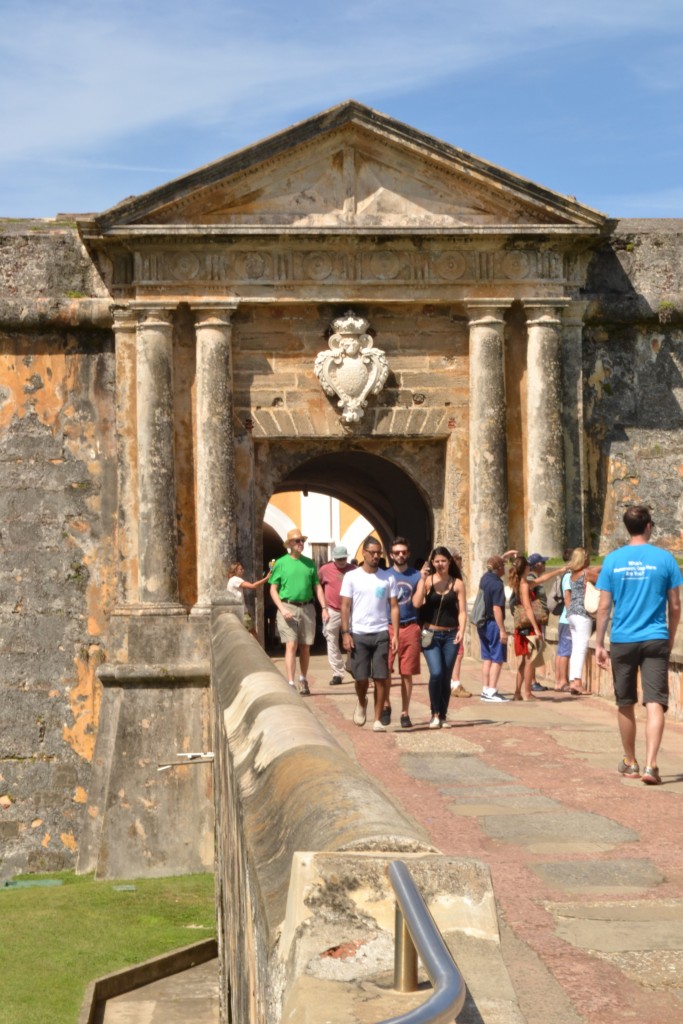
(79, 75)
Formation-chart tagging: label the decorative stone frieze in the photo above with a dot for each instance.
(353, 369)
(436, 264)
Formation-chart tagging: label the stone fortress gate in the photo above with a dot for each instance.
(202, 333)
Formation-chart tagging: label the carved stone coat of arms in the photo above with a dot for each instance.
(353, 368)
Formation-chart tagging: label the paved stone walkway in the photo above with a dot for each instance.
(190, 997)
(587, 866)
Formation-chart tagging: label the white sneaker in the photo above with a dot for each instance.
(378, 727)
(435, 722)
(493, 697)
(359, 713)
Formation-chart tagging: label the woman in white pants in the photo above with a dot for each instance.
(580, 622)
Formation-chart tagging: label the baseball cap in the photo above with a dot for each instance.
(339, 552)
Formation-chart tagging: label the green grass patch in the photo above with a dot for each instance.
(57, 939)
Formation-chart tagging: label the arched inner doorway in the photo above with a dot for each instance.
(398, 484)
(379, 489)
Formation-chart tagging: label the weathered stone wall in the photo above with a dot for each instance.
(284, 783)
(58, 455)
(633, 381)
(57, 509)
(284, 418)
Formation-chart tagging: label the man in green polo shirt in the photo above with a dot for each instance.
(293, 582)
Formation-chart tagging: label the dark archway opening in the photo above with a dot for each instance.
(377, 488)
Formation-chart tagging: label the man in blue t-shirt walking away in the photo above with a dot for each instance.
(642, 581)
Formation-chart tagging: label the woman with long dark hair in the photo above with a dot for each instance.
(440, 591)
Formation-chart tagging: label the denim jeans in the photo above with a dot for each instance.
(440, 657)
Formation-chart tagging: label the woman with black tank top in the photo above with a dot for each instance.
(440, 591)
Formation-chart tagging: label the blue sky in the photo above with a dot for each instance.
(99, 101)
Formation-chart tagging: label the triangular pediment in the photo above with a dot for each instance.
(351, 168)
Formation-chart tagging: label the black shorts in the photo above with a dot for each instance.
(370, 657)
(652, 658)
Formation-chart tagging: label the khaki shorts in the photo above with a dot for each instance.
(301, 628)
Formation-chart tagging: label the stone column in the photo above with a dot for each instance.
(545, 443)
(215, 458)
(125, 324)
(572, 422)
(157, 535)
(488, 452)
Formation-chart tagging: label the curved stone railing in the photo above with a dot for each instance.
(282, 785)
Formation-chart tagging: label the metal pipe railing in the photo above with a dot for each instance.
(418, 935)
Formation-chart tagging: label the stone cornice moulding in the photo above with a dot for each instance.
(548, 311)
(183, 232)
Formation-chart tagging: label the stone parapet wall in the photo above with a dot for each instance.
(304, 839)
(282, 785)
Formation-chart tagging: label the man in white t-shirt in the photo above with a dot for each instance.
(365, 597)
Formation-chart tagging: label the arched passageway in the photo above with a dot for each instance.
(379, 489)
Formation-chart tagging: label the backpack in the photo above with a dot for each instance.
(556, 599)
(478, 616)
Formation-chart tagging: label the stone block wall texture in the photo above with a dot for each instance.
(633, 381)
(58, 462)
(57, 510)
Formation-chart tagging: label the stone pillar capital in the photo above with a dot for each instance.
(544, 312)
(124, 317)
(574, 312)
(213, 315)
(154, 316)
(486, 311)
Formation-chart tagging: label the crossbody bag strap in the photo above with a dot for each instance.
(446, 591)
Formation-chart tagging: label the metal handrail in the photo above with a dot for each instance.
(415, 927)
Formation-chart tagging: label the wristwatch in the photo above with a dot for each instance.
(344, 631)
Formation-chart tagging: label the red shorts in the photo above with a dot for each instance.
(408, 649)
(521, 644)
(522, 647)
